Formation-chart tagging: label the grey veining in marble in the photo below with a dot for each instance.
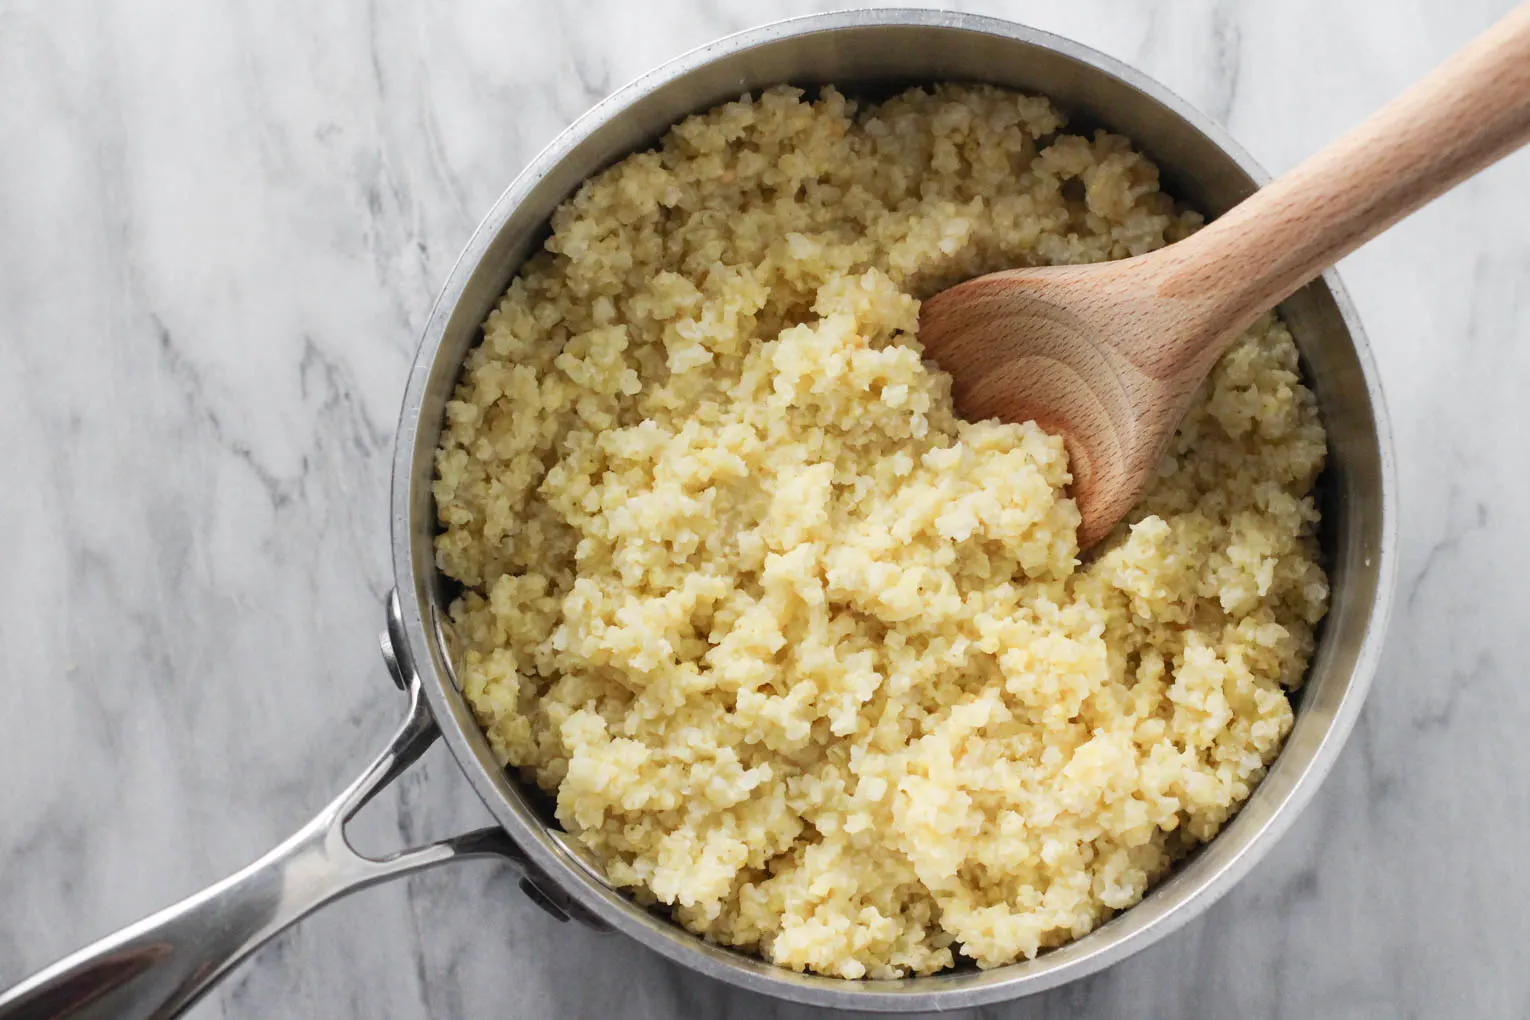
(221, 228)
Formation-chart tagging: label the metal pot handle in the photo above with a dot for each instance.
(160, 966)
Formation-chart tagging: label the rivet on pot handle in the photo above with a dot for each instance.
(163, 964)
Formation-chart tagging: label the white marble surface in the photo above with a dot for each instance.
(221, 227)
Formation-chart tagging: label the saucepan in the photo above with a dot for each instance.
(161, 965)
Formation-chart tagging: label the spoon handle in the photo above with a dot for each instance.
(1471, 111)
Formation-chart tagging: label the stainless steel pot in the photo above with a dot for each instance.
(161, 965)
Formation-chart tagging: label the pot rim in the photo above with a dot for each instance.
(558, 858)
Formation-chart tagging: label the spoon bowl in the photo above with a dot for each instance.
(1070, 348)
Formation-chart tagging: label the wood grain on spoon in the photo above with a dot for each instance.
(1110, 355)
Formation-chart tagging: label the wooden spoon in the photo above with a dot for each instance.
(1110, 355)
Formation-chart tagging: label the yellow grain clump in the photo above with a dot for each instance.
(801, 654)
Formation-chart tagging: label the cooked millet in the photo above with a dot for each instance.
(801, 654)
